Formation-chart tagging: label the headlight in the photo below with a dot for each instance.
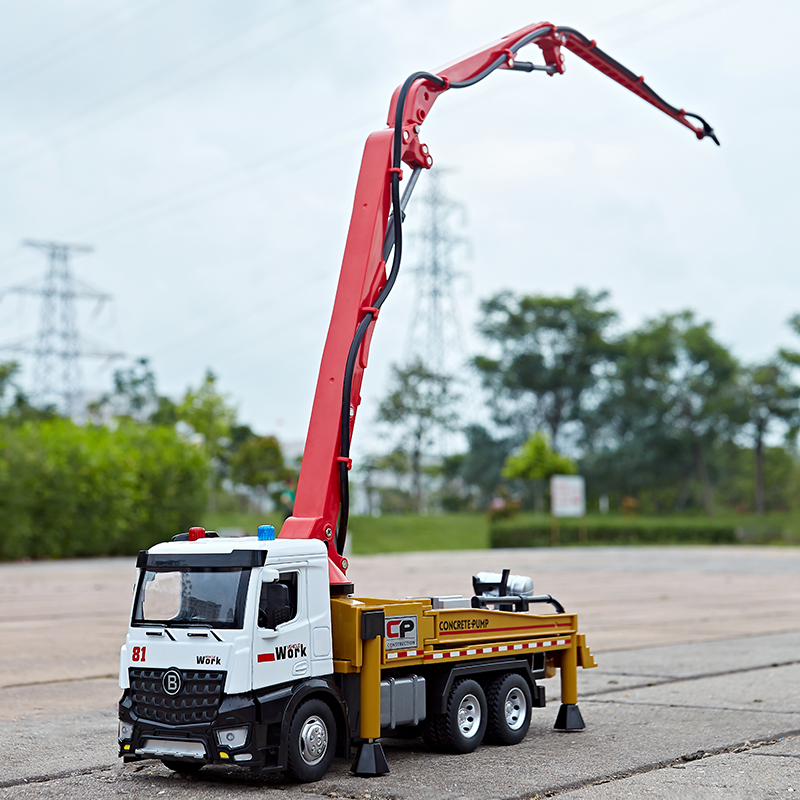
(232, 737)
(125, 730)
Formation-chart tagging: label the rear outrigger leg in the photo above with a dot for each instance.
(569, 715)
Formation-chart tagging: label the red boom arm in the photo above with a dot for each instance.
(364, 282)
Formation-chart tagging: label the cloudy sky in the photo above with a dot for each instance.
(209, 151)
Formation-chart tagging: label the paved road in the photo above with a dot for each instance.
(697, 693)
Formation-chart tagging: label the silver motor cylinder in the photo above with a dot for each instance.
(520, 585)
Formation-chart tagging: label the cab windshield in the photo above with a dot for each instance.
(185, 596)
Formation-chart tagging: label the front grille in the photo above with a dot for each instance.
(197, 701)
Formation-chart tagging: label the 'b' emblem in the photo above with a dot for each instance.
(171, 681)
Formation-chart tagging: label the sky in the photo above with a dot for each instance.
(208, 151)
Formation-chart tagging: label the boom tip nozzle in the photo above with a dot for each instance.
(707, 129)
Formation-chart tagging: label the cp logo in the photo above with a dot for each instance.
(171, 681)
(399, 628)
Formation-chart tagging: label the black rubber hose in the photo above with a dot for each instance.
(500, 60)
(355, 345)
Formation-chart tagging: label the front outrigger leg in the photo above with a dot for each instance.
(370, 760)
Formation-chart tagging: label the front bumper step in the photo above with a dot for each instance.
(170, 748)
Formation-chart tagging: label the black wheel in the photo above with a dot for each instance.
(183, 767)
(460, 729)
(312, 741)
(508, 698)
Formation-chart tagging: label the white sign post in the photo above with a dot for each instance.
(568, 496)
(567, 499)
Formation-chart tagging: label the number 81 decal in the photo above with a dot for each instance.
(138, 653)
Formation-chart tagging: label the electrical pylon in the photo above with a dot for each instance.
(57, 347)
(435, 336)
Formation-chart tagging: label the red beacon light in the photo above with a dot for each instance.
(196, 533)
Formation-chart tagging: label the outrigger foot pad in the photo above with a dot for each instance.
(370, 761)
(569, 718)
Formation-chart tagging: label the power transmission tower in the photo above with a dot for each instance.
(57, 346)
(435, 336)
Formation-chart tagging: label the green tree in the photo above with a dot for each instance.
(239, 434)
(15, 408)
(7, 386)
(420, 403)
(134, 393)
(536, 460)
(165, 413)
(394, 499)
(732, 465)
(769, 399)
(366, 470)
(549, 355)
(792, 356)
(134, 396)
(483, 461)
(209, 414)
(454, 493)
(669, 400)
(258, 462)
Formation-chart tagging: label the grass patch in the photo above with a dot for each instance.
(386, 534)
(409, 533)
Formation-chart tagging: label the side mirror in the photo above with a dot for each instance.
(269, 575)
(274, 607)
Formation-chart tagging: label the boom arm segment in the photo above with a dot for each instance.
(587, 49)
(364, 282)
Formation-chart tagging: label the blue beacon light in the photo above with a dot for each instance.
(266, 533)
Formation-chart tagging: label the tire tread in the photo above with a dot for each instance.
(438, 731)
(296, 767)
(497, 731)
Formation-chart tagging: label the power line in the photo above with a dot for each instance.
(681, 19)
(157, 96)
(164, 71)
(191, 196)
(156, 209)
(632, 13)
(213, 324)
(71, 43)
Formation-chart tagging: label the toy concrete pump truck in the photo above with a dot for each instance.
(255, 651)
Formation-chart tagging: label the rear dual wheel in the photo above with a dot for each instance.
(462, 726)
(508, 698)
(502, 713)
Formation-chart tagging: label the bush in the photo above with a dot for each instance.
(537, 531)
(68, 490)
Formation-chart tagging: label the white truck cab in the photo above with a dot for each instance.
(226, 637)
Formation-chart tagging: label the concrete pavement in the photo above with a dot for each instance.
(697, 693)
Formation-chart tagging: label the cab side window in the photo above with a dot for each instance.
(278, 601)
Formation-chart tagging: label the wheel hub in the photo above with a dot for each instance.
(469, 716)
(313, 740)
(515, 709)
